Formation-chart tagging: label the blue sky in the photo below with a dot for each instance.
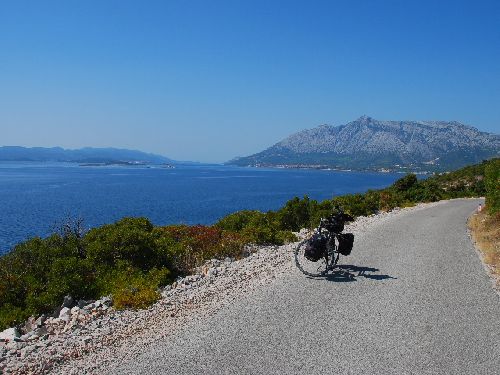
(210, 80)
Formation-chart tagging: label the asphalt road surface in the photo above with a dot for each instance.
(418, 302)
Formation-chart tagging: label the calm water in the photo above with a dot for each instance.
(34, 197)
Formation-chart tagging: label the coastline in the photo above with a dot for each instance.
(198, 194)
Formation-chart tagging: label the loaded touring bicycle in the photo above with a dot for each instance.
(320, 253)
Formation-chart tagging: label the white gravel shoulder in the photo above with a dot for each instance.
(89, 342)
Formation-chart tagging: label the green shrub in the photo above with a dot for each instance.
(253, 226)
(296, 213)
(358, 204)
(318, 211)
(186, 247)
(235, 222)
(66, 276)
(263, 229)
(406, 182)
(285, 236)
(133, 288)
(492, 186)
(11, 315)
(32, 269)
(129, 239)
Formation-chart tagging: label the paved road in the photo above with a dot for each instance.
(420, 303)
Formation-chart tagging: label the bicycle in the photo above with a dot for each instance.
(318, 255)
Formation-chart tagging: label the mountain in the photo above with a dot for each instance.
(83, 155)
(371, 144)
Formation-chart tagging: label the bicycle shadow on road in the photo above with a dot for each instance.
(350, 273)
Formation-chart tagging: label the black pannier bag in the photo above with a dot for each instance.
(315, 247)
(346, 241)
(334, 224)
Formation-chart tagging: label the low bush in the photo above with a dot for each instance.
(11, 315)
(492, 186)
(132, 287)
(258, 227)
(187, 247)
(296, 214)
(129, 239)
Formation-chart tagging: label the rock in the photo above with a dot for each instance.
(9, 334)
(215, 262)
(75, 310)
(82, 303)
(65, 314)
(212, 272)
(41, 320)
(68, 302)
(87, 339)
(192, 278)
(40, 331)
(56, 313)
(15, 345)
(11, 346)
(29, 325)
(165, 294)
(246, 252)
(27, 336)
(87, 308)
(107, 300)
(21, 345)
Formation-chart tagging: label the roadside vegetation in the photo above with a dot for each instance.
(132, 258)
(485, 224)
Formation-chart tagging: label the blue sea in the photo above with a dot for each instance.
(37, 197)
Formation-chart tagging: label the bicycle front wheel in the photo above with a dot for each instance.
(306, 266)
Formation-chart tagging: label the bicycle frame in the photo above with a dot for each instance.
(332, 255)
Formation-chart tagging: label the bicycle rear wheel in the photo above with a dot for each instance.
(306, 266)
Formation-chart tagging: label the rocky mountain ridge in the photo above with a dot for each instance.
(367, 143)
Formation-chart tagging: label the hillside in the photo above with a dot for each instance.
(367, 143)
(83, 155)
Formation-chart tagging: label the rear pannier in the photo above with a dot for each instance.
(315, 247)
(346, 241)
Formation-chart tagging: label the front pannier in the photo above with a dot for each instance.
(315, 247)
(335, 224)
(346, 241)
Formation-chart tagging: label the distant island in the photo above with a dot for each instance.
(384, 146)
(87, 156)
